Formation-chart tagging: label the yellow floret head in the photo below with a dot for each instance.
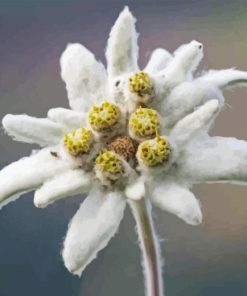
(154, 152)
(104, 116)
(109, 162)
(78, 142)
(141, 85)
(144, 123)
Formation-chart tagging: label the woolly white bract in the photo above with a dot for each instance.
(172, 105)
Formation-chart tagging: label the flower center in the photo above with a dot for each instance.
(154, 152)
(109, 162)
(78, 141)
(124, 146)
(141, 84)
(104, 116)
(144, 123)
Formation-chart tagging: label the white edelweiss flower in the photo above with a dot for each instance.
(115, 153)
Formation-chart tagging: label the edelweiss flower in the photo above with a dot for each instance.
(131, 135)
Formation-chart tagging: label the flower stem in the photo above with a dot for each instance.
(141, 210)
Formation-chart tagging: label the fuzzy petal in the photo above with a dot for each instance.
(90, 230)
(185, 98)
(69, 183)
(85, 78)
(179, 69)
(177, 199)
(135, 190)
(214, 159)
(122, 48)
(226, 78)
(30, 172)
(69, 119)
(158, 61)
(29, 129)
(188, 127)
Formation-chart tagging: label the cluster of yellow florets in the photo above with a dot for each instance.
(109, 162)
(78, 141)
(140, 84)
(154, 152)
(104, 116)
(144, 123)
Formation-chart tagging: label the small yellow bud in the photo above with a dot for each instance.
(104, 116)
(144, 123)
(78, 142)
(109, 162)
(154, 152)
(141, 85)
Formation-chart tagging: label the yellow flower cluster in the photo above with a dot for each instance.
(104, 116)
(140, 84)
(144, 123)
(108, 161)
(154, 152)
(78, 141)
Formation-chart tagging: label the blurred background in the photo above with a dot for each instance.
(210, 259)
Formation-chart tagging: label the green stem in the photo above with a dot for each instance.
(141, 210)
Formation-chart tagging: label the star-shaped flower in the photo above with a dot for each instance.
(131, 135)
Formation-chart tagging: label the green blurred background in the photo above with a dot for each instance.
(207, 260)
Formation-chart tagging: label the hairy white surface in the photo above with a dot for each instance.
(179, 69)
(135, 189)
(66, 184)
(84, 77)
(29, 129)
(69, 119)
(191, 125)
(226, 78)
(214, 159)
(177, 199)
(30, 172)
(122, 48)
(90, 230)
(191, 94)
(158, 61)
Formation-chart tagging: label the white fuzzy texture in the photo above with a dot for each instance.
(174, 198)
(179, 69)
(188, 95)
(85, 78)
(30, 172)
(191, 125)
(158, 61)
(90, 230)
(226, 78)
(66, 184)
(135, 189)
(68, 119)
(214, 159)
(29, 129)
(122, 48)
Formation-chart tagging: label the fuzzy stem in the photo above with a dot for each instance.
(141, 210)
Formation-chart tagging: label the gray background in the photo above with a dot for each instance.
(210, 259)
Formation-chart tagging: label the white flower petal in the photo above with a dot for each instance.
(179, 69)
(90, 230)
(135, 190)
(69, 119)
(122, 48)
(30, 172)
(158, 61)
(29, 129)
(188, 127)
(214, 159)
(85, 78)
(227, 78)
(69, 183)
(170, 196)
